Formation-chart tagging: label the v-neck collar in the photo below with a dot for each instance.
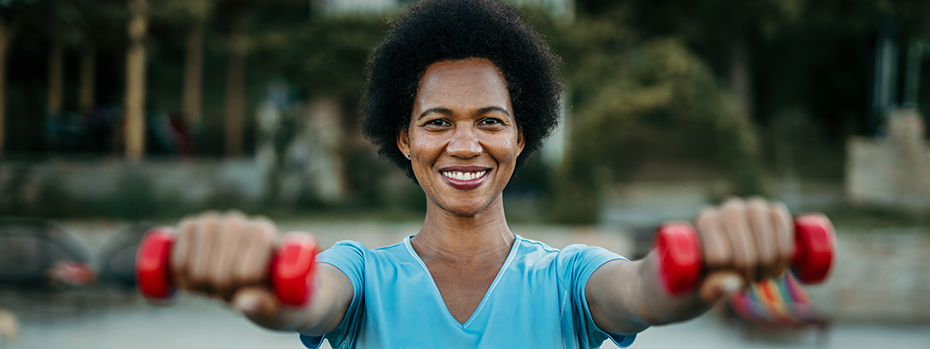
(487, 294)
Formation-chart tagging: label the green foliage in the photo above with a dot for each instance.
(324, 55)
(183, 11)
(66, 20)
(633, 102)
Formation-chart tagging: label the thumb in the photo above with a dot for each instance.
(257, 304)
(720, 284)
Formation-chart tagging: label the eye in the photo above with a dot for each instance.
(491, 121)
(437, 122)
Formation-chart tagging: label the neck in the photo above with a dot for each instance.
(450, 238)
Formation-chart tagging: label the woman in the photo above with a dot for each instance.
(460, 94)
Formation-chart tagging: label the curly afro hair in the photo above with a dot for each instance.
(438, 30)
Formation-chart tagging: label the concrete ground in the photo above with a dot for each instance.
(126, 321)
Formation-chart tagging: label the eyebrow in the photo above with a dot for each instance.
(447, 111)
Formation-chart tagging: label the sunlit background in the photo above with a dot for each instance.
(120, 115)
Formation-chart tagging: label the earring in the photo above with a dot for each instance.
(408, 156)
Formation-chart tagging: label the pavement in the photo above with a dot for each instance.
(121, 319)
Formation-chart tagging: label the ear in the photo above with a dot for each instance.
(403, 141)
(520, 141)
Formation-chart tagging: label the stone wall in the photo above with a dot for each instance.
(880, 275)
(892, 171)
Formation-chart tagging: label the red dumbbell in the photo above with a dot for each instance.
(292, 268)
(680, 260)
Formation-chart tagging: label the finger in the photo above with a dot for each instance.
(204, 242)
(182, 253)
(757, 210)
(252, 265)
(220, 268)
(784, 234)
(745, 257)
(719, 285)
(717, 250)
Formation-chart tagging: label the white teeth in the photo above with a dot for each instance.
(464, 176)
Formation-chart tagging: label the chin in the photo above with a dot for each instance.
(465, 209)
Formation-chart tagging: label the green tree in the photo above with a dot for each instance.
(634, 100)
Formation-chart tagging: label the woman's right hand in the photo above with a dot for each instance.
(228, 256)
(218, 254)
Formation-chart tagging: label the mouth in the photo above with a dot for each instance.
(465, 178)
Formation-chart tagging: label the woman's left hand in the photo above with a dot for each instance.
(743, 240)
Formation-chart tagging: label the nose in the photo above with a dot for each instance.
(464, 143)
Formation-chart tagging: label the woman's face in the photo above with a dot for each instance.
(463, 139)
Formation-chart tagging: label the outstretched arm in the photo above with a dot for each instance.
(228, 257)
(742, 241)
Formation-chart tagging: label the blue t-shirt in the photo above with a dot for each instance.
(537, 300)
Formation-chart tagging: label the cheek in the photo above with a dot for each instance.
(505, 150)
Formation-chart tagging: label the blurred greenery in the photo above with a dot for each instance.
(649, 81)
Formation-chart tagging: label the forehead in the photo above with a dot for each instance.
(471, 82)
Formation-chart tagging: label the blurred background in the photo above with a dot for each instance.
(120, 115)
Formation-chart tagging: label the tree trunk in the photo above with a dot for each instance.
(88, 69)
(740, 80)
(7, 33)
(55, 77)
(193, 73)
(135, 81)
(235, 86)
(747, 178)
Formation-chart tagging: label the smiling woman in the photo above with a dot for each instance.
(436, 31)
(459, 95)
(462, 135)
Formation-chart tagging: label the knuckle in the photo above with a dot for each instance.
(256, 226)
(266, 234)
(707, 216)
(210, 221)
(757, 204)
(779, 208)
(232, 225)
(733, 202)
(732, 208)
(235, 213)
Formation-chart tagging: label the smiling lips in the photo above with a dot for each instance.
(464, 178)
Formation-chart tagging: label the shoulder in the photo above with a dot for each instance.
(356, 250)
(571, 253)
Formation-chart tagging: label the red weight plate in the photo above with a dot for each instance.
(679, 249)
(292, 272)
(152, 264)
(814, 248)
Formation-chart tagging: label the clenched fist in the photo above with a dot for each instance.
(228, 256)
(743, 241)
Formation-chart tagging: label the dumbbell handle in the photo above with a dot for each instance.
(680, 260)
(292, 268)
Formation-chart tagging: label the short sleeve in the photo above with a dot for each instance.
(348, 257)
(576, 264)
